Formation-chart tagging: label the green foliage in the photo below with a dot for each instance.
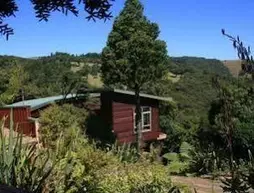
(133, 55)
(17, 80)
(183, 65)
(241, 100)
(206, 162)
(65, 120)
(21, 165)
(82, 167)
(85, 168)
(176, 133)
(59, 73)
(235, 184)
(249, 177)
(179, 162)
(125, 153)
(132, 178)
(193, 94)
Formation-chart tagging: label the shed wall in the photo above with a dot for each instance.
(20, 119)
(118, 109)
(123, 123)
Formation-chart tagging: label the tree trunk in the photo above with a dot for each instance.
(138, 120)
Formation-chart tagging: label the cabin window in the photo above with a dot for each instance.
(146, 119)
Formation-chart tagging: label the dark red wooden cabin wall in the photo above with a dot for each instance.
(20, 119)
(119, 108)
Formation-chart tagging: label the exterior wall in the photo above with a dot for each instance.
(20, 119)
(123, 123)
(119, 111)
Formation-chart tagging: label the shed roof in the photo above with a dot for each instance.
(41, 102)
(167, 99)
(126, 92)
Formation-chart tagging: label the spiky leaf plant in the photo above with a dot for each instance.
(235, 183)
(21, 165)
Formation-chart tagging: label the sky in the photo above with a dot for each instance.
(189, 27)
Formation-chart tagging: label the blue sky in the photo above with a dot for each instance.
(190, 28)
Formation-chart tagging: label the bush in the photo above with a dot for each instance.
(125, 153)
(65, 120)
(85, 168)
(179, 162)
(133, 178)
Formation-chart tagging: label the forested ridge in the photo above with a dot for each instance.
(42, 76)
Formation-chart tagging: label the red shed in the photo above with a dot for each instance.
(26, 113)
(118, 110)
(21, 119)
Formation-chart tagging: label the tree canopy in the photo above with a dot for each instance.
(96, 9)
(133, 55)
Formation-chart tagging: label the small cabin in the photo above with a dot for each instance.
(116, 112)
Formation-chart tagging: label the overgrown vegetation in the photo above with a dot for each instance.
(78, 166)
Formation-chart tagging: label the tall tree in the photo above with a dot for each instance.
(133, 55)
(18, 81)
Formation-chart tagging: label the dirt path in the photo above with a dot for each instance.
(201, 185)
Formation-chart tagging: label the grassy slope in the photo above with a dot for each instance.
(234, 66)
(95, 81)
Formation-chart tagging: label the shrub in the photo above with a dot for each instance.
(125, 153)
(85, 168)
(64, 120)
(179, 162)
(133, 178)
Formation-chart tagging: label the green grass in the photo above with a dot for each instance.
(95, 81)
(174, 78)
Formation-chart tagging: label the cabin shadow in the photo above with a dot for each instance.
(98, 129)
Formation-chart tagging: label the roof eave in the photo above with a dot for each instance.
(166, 99)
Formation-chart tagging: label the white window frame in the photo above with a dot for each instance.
(142, 119)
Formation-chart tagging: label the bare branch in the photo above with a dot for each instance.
(243, 52)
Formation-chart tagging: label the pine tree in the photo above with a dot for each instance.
(133, 55)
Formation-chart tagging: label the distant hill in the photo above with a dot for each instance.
(182, 65)
(234, 66)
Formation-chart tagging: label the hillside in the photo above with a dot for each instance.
(181, 65)
(57, 73)
(234, 66)
(193, 91)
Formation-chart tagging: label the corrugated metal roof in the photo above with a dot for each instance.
(168, 99)
(41, 102)
(127, 92)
